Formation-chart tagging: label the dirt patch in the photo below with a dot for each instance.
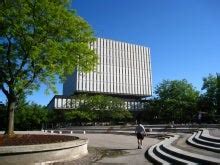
(29, 139)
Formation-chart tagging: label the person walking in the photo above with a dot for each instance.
(140, 133)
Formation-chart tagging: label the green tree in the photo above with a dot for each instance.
(177, 99)
(218, 93)
(121, 115)
(210, 99)
(177, 90)
(98, 108)
(99, 102)
(40, 41)
(151, 111)
(30, 116)
(78, 116)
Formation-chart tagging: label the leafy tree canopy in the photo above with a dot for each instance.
(176, 100)
(30, 116)
(211, 96)
(179, 90)
(99, 102)
(210, 87)
(40, 40)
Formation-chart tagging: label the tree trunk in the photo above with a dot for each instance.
(10, 117)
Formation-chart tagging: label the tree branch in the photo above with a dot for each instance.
(8, 59)
(32, 4)
(31, 79)
(4, 90)
(24, 60)
(27, 84)
(3, 1)
(3, 75)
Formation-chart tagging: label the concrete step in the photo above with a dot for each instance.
(195, 126)
(207, 142)
(193, 157)
(159, 156)
(154, 156)
(112, 129)
(195, 141)
(170, 157)
(206, 136)
(164, 152)
(155, 128)
(181, 144)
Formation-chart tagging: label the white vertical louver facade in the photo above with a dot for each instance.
(124, 69)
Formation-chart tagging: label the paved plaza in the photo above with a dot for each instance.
(128, 145)
(120, 142)
(105, 148)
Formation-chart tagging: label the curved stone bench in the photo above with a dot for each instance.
(198, 139)
(153, 155)
(158, 155)
(43, 153)
(206, 136)
(195, 141)
(165, 153)
(173, 158)
(189, 156)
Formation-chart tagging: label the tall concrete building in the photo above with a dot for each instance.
(123, 70)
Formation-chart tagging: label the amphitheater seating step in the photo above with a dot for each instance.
(165, 153)
(197, 140)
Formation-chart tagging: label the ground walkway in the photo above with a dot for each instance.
(127, 144)
(107, 148)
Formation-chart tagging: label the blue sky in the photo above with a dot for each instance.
(184, 35)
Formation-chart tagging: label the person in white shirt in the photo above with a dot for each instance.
(140, 132)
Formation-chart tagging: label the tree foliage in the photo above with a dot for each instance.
(99, 102)
(151, 112)
(40, 40)
(96, 108)
(210, 99)
(28, 116)
(81, 116)
(177, 100)
(179, 90)
(31, 116)
(121, 116)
